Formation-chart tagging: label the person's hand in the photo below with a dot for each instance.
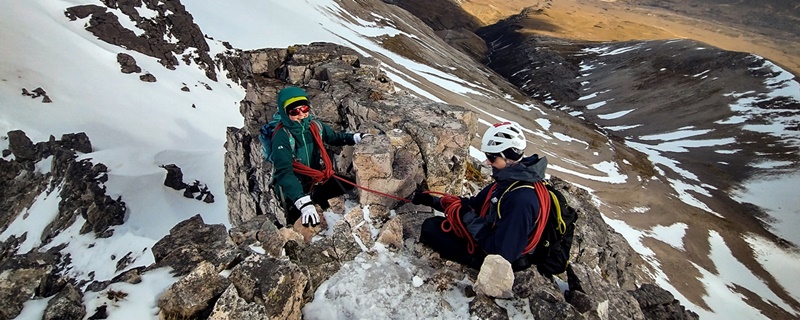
(422, 198)
(360, 136)
(464, 205)
(308, 213)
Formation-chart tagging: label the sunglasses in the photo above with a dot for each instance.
(491, 157)
(297, 111)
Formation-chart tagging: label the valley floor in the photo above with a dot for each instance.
(619, 21)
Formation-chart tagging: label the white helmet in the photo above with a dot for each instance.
(502, 136)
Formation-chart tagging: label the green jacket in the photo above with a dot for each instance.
(295, 185)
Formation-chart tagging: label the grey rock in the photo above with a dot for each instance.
(21, 146)
(192, 241)
(232, 307)
(127, 63)
(545, 305)
(66, 305)
(657, 303)
(276, 284)
(193, 295)
(76, 141)
(20, 279)
(148, 77)
(483, 307)
(174, 177)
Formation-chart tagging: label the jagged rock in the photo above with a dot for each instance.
(260, 230)
(20, 279)
(81, 189)
(127, 63)
(580, 301)
(232, 307)
(66, 305)
(193, 295)
(359, 227)
(608, 300)
(495, 278)
(392, 234)
(76, 141)
(100, 312)
(308, 232)
(387, 163)
(657, 303)
(276, 284)
(21, 146)
(148, 77)
(343, 87)
(125, 261)
(483, 307)
(132, 276)
(323, 258)
(546, 305)
(209, 198)
(174, 177)
(192, 241)
(172, 22)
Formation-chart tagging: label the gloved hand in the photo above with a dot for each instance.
(308, 212)
(360, 136)
(465, 207)
(422, 198)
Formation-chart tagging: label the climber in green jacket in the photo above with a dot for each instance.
(294, 109)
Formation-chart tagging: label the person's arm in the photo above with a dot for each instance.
(282, 158)
(335, 138)
(508, 238)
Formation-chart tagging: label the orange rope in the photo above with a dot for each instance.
(321, 176)
(541, 219)
(453, 223)
(317, 176)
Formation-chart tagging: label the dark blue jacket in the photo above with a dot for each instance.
(507, 234)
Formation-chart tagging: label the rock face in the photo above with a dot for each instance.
(21, 277)
(348, 92)
(79, 184)
(192, 241)
(169, 21)
(418, 144)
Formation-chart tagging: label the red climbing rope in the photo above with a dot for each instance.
(323, 175)
(453, 223)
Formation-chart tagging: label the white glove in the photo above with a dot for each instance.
(308, 213)
(360, 136)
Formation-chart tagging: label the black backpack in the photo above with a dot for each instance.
(551, 255)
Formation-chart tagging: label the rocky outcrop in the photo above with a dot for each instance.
(657, 303)
(348, 92)
(22, 277)
(67, 304)
(170, 32)
(191, 242)
(417, 144)
(78, 182)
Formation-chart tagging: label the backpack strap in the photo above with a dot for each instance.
(545, 197)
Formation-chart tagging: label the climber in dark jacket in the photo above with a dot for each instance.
(505, 232)
(295, 115)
